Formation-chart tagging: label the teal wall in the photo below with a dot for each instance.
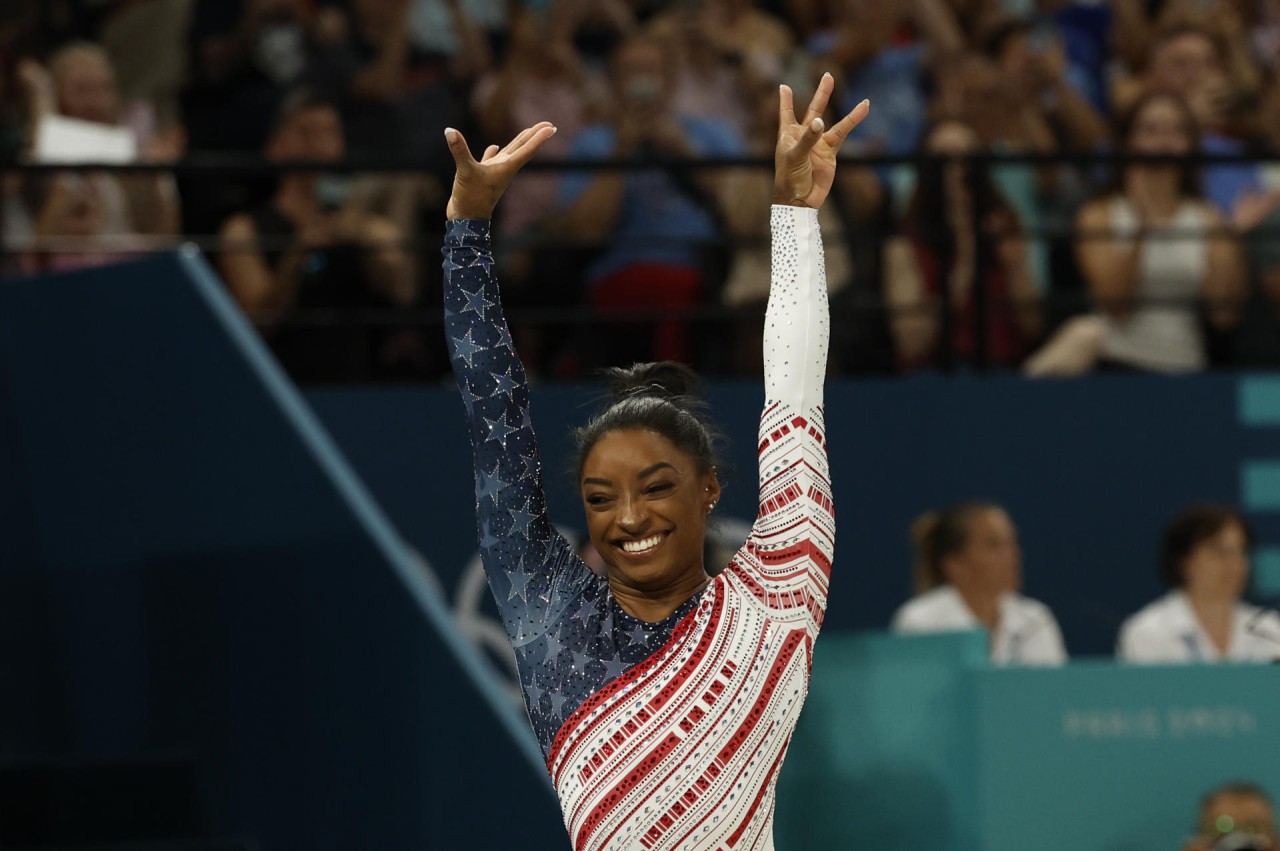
(918, 745)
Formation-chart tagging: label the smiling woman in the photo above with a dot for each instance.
(663, 699)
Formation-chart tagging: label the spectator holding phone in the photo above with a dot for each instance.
(312, 246)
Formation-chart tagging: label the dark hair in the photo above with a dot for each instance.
(296, 102)
(1191, 528)
(1189, 181)
(926, 217)
(938, 535)
(664, 397)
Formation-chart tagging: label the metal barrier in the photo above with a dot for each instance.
(863, 306)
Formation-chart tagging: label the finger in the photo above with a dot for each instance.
(530, 147)
(836, 135)
(818, 105)
(805, 143)
(458, 147)
(786, 109)
(489, 153)
(524, 136)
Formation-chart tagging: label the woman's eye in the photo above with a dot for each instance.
(597, 499)
(659, 487)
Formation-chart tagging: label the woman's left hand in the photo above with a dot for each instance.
(805, 159)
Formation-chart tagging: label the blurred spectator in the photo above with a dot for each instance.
(147, 42)
(659, 223)
(937, 248)
(1236, 817)
(75, 220)
(247, 54)
(1205, 564)
(968, 576)
(1217, 82)
(396, 96)
(1051, 112)
(312, 246)
(724, 47)
(1162, 256)
(541, 79)
(884, 50)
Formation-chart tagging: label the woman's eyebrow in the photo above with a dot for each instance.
(648, 471)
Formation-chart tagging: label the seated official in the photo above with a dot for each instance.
(968, 576)
(1202, 618)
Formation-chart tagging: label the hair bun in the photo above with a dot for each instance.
(664, 380)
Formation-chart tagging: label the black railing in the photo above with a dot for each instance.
(859, 304)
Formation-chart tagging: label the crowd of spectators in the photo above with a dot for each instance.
(1048, 266)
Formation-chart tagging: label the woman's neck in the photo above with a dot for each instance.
(653, 605)
(1157, 196)
(1216, 617)
(984, 606)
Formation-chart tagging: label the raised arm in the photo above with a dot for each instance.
(532, 570)
(794, 532)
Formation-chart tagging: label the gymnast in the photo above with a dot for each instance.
(663, 699)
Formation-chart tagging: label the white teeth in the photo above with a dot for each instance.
(641, 546)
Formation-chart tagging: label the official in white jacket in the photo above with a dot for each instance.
(1202, 618)
(968, 576)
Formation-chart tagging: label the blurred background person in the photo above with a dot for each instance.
(968, 576)
(313, 246)
(76, 220)
(1192, 59)
(662, 228)
(1203, 618)
(937, 248)
(1166, 254)
(542, 78)
(1236, 817)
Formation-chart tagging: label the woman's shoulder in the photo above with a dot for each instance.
(1160, 615)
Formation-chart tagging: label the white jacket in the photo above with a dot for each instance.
(1167, 631)
(1027, 633)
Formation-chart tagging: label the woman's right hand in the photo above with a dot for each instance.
(477, 186)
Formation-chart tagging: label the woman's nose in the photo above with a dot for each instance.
(632, 514)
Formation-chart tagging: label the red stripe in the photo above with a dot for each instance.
(640, 671)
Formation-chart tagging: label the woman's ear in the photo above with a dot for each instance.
(711, 488)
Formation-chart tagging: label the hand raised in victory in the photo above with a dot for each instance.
(477, 186)
(805, 159)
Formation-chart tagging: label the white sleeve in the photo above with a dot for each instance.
(793, 538)
(797, 321)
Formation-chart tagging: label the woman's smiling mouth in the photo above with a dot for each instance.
(642, 545)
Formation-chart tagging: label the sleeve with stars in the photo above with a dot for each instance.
(533, 572)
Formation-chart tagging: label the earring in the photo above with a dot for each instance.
(712, 506)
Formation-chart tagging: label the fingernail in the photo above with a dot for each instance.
(827, 74)
(554, 130)
(450, 135)
(816, 126)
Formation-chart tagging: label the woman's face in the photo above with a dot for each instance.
(991, 562)
(1218, 568)
(1160, 128)
(646, 503)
